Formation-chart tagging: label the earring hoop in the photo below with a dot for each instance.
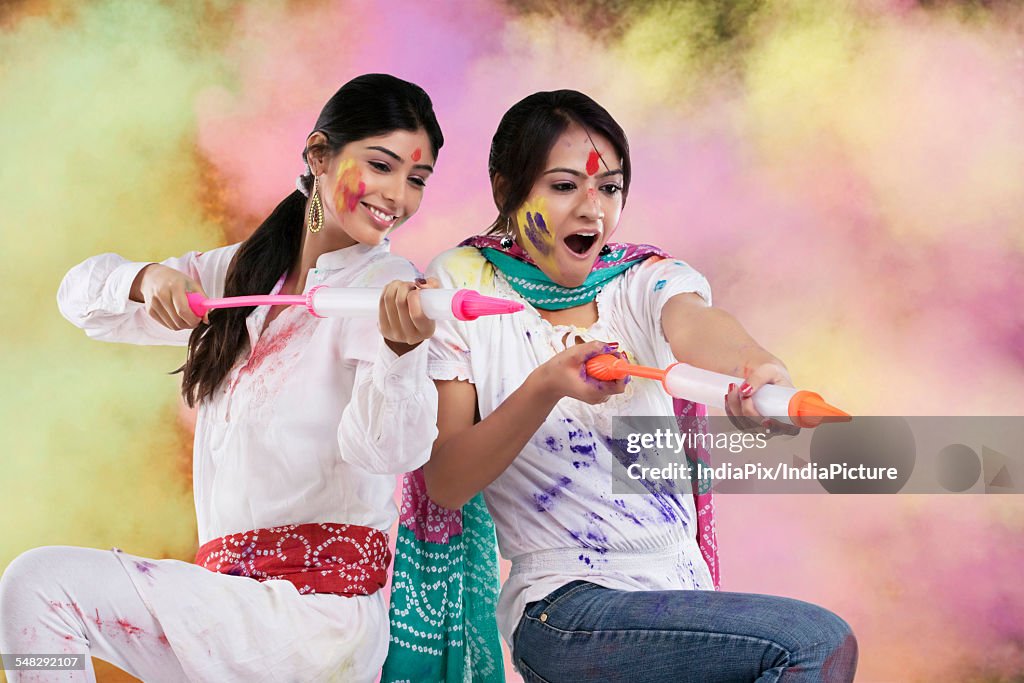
(315, 216)
(507, 241)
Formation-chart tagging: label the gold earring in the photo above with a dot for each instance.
(316, 208)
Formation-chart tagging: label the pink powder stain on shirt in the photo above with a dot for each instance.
(163, 640)
(128, 628)
(30, 633)
(269, 346)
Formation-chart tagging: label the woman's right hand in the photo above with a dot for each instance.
(565, 374)
(164, 290)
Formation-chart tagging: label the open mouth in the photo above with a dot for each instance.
(385, 220)
(581, 243)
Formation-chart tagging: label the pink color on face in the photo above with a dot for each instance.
(592, 160)
(417, 154)
(350, 188)
(352, 198)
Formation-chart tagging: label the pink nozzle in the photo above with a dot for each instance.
(470, 305)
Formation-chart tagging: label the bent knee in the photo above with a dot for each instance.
(31, 568)
(812, 625)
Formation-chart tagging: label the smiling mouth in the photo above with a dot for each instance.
(382, 218)
(580, 243)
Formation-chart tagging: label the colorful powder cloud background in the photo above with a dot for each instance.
(849, 175)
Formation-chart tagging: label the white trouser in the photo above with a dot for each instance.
(65, 600)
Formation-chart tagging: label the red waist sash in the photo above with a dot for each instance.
(341, 559)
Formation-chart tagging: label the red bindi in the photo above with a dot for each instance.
(592, 162)
(417, 154)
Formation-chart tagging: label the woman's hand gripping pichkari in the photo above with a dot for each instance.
(165, 291)
(739, 403)
(403, 323)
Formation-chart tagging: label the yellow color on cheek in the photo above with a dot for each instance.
(538, 240)
(349, 187)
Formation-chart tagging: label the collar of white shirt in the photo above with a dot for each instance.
(341, 258)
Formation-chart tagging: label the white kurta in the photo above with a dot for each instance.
(554, 511)
(302, 429)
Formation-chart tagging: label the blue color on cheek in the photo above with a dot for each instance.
(660, 284)
(541, 225)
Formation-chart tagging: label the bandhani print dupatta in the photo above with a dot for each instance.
(444, 593)
(445, 587)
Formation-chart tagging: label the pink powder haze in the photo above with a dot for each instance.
(848, 175)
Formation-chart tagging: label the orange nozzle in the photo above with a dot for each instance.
(808, 409)
(607, 367)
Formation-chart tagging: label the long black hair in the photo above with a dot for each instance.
(525, 136)
(366, 106)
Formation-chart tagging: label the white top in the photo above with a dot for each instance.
(554, 511)
(301, 430)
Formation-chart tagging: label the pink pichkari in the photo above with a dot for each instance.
(363, 302)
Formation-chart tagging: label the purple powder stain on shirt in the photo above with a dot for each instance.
(584, 559)
(671, 514)
(545, 500)
(621, 504)
(553, 444)
(582, 449)
(619, 449)
(633, 518)
(660, 284)
(528, 335)
(145, 567)
(587, 449)
(592, 538)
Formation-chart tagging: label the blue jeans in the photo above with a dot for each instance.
(584, 632)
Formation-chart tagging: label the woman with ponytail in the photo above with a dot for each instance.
(603, 586)
(294, 457)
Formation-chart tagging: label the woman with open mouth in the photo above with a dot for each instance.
(603, 587)
(295, 455)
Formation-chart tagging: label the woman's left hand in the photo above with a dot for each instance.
(739, 403)
(402, 321)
